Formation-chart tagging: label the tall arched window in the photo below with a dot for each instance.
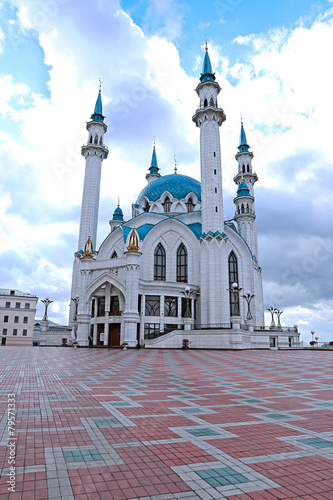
(190, 205)
(167, 205)
(243, 169)
(211, 102)
(248, 168)
(114, 255)
(242, 208)
(233, 278)
(182, 264)
(205, 103)
(159, 263)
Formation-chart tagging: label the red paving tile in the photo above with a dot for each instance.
(152, 384)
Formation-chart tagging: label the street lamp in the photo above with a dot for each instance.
(272, 311)
(46, 303)
(278, 313)
(76, 301)
(234, 290)
(248, 297)
(187, 294)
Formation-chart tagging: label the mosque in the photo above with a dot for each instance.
(176, 269)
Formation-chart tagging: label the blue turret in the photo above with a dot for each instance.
(207, 74)
(243, 190)
(154, 166)
(243, 146)
(118, 214)
(97, 116)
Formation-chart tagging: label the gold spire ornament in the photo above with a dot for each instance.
(175, 169)
(133, 244)
(100, 86)
(206, 44)
(88, 248)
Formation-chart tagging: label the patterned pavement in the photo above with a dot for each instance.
(154, 424)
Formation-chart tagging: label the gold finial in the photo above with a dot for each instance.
(175, 169)
(241, 119)
(100, 86)
(242, 177)
(133, 244)
(206, 43)
(88, 248)
(154, 141)
(118, 201)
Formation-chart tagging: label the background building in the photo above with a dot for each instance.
(17, 318)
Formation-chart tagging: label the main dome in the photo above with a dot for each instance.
(179, 186)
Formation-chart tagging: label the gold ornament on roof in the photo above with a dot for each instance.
(100, 86)
(88, 248)
(133, 244)
(175, 169)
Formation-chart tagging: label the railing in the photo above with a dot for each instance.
(291, 329)
(326, 345)
(212, 326)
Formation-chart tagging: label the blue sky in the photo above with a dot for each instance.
(271, 60)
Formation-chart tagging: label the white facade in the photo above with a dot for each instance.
(174, 265)
(17, 316)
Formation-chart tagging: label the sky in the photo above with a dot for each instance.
(273, 62)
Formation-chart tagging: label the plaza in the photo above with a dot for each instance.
(118, 424)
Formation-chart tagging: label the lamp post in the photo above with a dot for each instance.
(234, 290)
(272, 311)
(46, 303)
(187, 294)
(248, 297)
(278, 313)
(76, 301)
(312, 333)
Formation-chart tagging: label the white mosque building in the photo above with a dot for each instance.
(176, 264)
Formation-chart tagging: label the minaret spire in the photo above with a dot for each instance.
(153, 169)
(94, 152)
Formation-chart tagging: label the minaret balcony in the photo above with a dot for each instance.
(91, 149)
(210, 113)
(246, 176)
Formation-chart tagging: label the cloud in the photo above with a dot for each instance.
(281, 84)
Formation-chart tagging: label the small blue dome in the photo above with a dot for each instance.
(177, 185)
(97, 115)
(207, 72)
(118, 214)
(243, 190)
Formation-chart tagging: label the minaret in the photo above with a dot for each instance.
(153, 170)
(245, 215)
(94, 152)
(244, 159)
(209, 117)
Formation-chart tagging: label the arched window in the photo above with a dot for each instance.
(216, 209)
(182, 264)
(215, 190)
(101, 140)
(114, 255)
(96, 139)
(243, 169)
(146, 207)
(211, 102)
(242, 208)
(248, 168)
(233, 278)
(190, 205)
(159, 263)
(205, 103)
(247, 208)
(90, 139)
(167, 205)
(214, 154)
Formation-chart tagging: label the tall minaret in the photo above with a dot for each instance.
(94, 152)
(245, 178)
(209, 117)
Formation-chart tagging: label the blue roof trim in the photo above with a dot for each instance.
(210, 233)
(179, 186)
(196, 228)
(142, 231)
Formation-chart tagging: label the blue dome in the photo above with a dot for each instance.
(177, 185)
(243, 190)
(118, 214)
